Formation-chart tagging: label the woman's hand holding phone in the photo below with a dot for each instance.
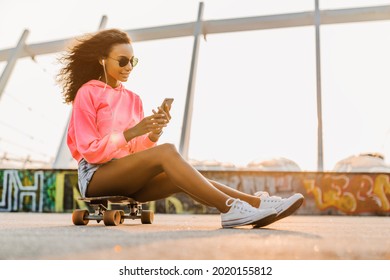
(161, 115)
(152, 124)
(165, 108)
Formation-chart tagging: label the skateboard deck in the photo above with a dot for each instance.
(111, 217)
(110, 199)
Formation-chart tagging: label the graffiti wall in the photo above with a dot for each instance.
(325, 193)
(38, 190)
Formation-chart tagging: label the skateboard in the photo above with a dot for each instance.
(111, 217)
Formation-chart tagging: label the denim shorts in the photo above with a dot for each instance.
(85, 173)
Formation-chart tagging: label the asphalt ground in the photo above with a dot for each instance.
(48, 236)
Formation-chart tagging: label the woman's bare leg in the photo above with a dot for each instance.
(161, 187)
(129, 175)
(251, 199)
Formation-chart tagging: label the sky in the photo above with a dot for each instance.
(255, 95)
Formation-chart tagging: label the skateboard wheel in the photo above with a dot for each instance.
(112, 217)
(147, 217)
(79, 217)
(122, 216)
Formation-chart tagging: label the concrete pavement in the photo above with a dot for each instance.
(42, 236)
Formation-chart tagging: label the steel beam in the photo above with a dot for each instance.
(320, 148)
(187, 118)
(13, 57)
(225, 25)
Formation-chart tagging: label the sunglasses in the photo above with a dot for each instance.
(123, 61)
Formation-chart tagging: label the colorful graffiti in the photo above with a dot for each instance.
(54, 191)
(24, 190)
(325, 193)
(351, 194)
(33, 190)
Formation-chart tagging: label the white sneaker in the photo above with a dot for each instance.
(283, 206)
(242, 213)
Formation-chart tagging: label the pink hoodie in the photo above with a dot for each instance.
(99, 118)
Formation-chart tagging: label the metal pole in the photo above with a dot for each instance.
(12, 61)
(103, 22)
(186, 128)
(320, 163)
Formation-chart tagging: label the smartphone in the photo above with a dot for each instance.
(167, 101)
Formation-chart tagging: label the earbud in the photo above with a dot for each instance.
(103, 62)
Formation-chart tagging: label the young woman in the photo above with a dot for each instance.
(115, 145)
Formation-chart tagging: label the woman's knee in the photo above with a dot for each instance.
(168, 149)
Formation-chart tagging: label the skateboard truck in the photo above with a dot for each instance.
(111, 217)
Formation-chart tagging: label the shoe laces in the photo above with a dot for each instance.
(265, 195)
(239, 205)
(262, 193)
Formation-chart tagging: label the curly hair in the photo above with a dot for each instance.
(81, 62)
